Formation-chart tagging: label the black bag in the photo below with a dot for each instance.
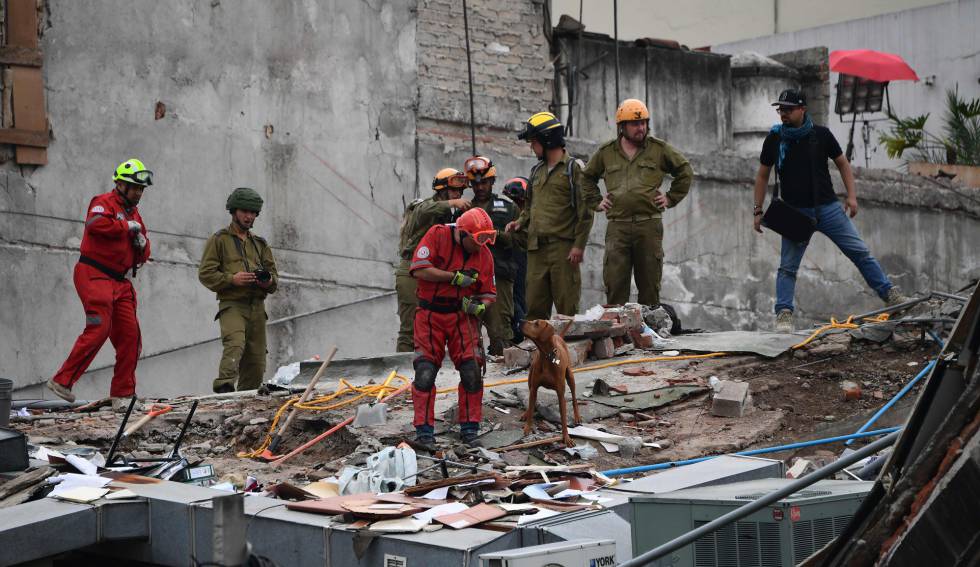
(785, 219)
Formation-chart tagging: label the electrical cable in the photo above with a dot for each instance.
(469, 71)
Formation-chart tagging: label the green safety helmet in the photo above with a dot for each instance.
(244, 198)
(133, 171)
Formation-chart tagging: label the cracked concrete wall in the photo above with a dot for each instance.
(312, 103)
(939, 42)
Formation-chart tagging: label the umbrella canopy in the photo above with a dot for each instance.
(873, 65)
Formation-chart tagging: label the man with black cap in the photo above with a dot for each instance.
(237, 265)
(800, 150)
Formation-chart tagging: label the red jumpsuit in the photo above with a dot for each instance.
(440, 321)
(109, 300)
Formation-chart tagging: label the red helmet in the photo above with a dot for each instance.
(476, 223)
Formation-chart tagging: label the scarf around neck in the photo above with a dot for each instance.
(788, 134)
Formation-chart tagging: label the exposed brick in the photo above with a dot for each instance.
(578, 351)
(603, 348)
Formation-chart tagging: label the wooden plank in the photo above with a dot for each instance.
(20, 137)
(24, 56)
(22, 23)
(29, 112)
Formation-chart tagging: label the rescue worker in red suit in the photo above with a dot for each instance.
(114, 245)
(455, 272)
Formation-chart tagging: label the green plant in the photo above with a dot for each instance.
(960, 144)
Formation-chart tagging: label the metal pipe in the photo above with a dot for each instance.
(894, 399)
(469, 72)
(672, 464)
(616, 38)
(891, 308)
(739, 513)
(951, 296)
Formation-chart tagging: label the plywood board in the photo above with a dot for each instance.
(29, 111)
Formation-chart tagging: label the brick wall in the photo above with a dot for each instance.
(512, 75)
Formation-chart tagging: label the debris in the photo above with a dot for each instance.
(638, 371)
(658, 319)
(798, 469)
(529, 444)
(585, 451)
(501, 438)
(851, 390)
(603, 348)
(731, 400)
(828, 348)
(383, 472)
(472, 516)
(519, 356)
(639, 401)
(670, 353)
(763, 343)
(629, 446)
(578, 351)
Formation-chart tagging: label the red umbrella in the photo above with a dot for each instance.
(873, 65)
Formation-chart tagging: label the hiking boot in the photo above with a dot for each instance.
(469, 432)
(425, 437)
(895, 297)
(120, 405)
(496, 347)
(60, 391)
(784, 321)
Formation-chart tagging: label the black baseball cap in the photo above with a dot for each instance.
(791, 97)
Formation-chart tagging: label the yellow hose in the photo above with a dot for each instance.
(847, 324)
(357, 393)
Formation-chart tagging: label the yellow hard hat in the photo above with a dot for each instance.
(632, 109)
(448, 178)
(546, 128)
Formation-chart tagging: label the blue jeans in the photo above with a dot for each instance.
(833, 222)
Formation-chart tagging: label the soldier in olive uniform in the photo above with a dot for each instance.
(481, 174)
(633, 167)
(238, 266)
(421, 215)
(557, 217)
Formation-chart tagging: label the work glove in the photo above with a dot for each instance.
(464, 279)
(134, 226)
(472, 307)
(139, 241)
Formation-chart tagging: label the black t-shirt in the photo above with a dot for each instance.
(794, 180)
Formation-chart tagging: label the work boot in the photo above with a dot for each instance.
(60, 391)
(120, 405)
(224, 388)
(895, 297)
(469, 431)
(425, 437)
(496, 347)
(784, 321)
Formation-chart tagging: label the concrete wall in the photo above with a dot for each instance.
(688, 92)
(311, 103)
(939, 42)
(706, 22)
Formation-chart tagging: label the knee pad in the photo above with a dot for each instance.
(425, 375)
(470, 376)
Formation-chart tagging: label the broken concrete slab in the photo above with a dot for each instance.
(571, 329)
(763, 343)
(356, 369)
(731, 400)
(639, 401)
(517, 357)
(501, 438)
(578, 351)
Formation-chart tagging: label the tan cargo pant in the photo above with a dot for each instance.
(405, 286)
(552, 280)
(633, 248)
(243, 339)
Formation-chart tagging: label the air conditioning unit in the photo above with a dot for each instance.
(780, 535)
(575, 553)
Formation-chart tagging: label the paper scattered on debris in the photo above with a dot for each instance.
(84, 466)
(398, 525)
(81, 494)
(440, 510)
(539, 515)
(437, 494)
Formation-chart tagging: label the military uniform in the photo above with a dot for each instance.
(421, 215)
(634, 234)
(557, 220)
(241, 310)
(501, 312)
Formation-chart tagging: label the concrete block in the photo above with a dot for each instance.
(632, 316)
(517, 357)
(640, 340)
(617, 330)
(731, 400)
(579, 351)
(603, 348)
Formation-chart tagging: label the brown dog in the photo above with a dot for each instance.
(551, 368)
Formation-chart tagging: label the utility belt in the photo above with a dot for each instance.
(102, 268)
(447, 305)
(633, 218)
(552, 239)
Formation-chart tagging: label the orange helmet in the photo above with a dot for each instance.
(632, 109)
(476, 223)
(449, 178)
(479, 168)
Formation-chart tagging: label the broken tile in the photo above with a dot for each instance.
(638, 371)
